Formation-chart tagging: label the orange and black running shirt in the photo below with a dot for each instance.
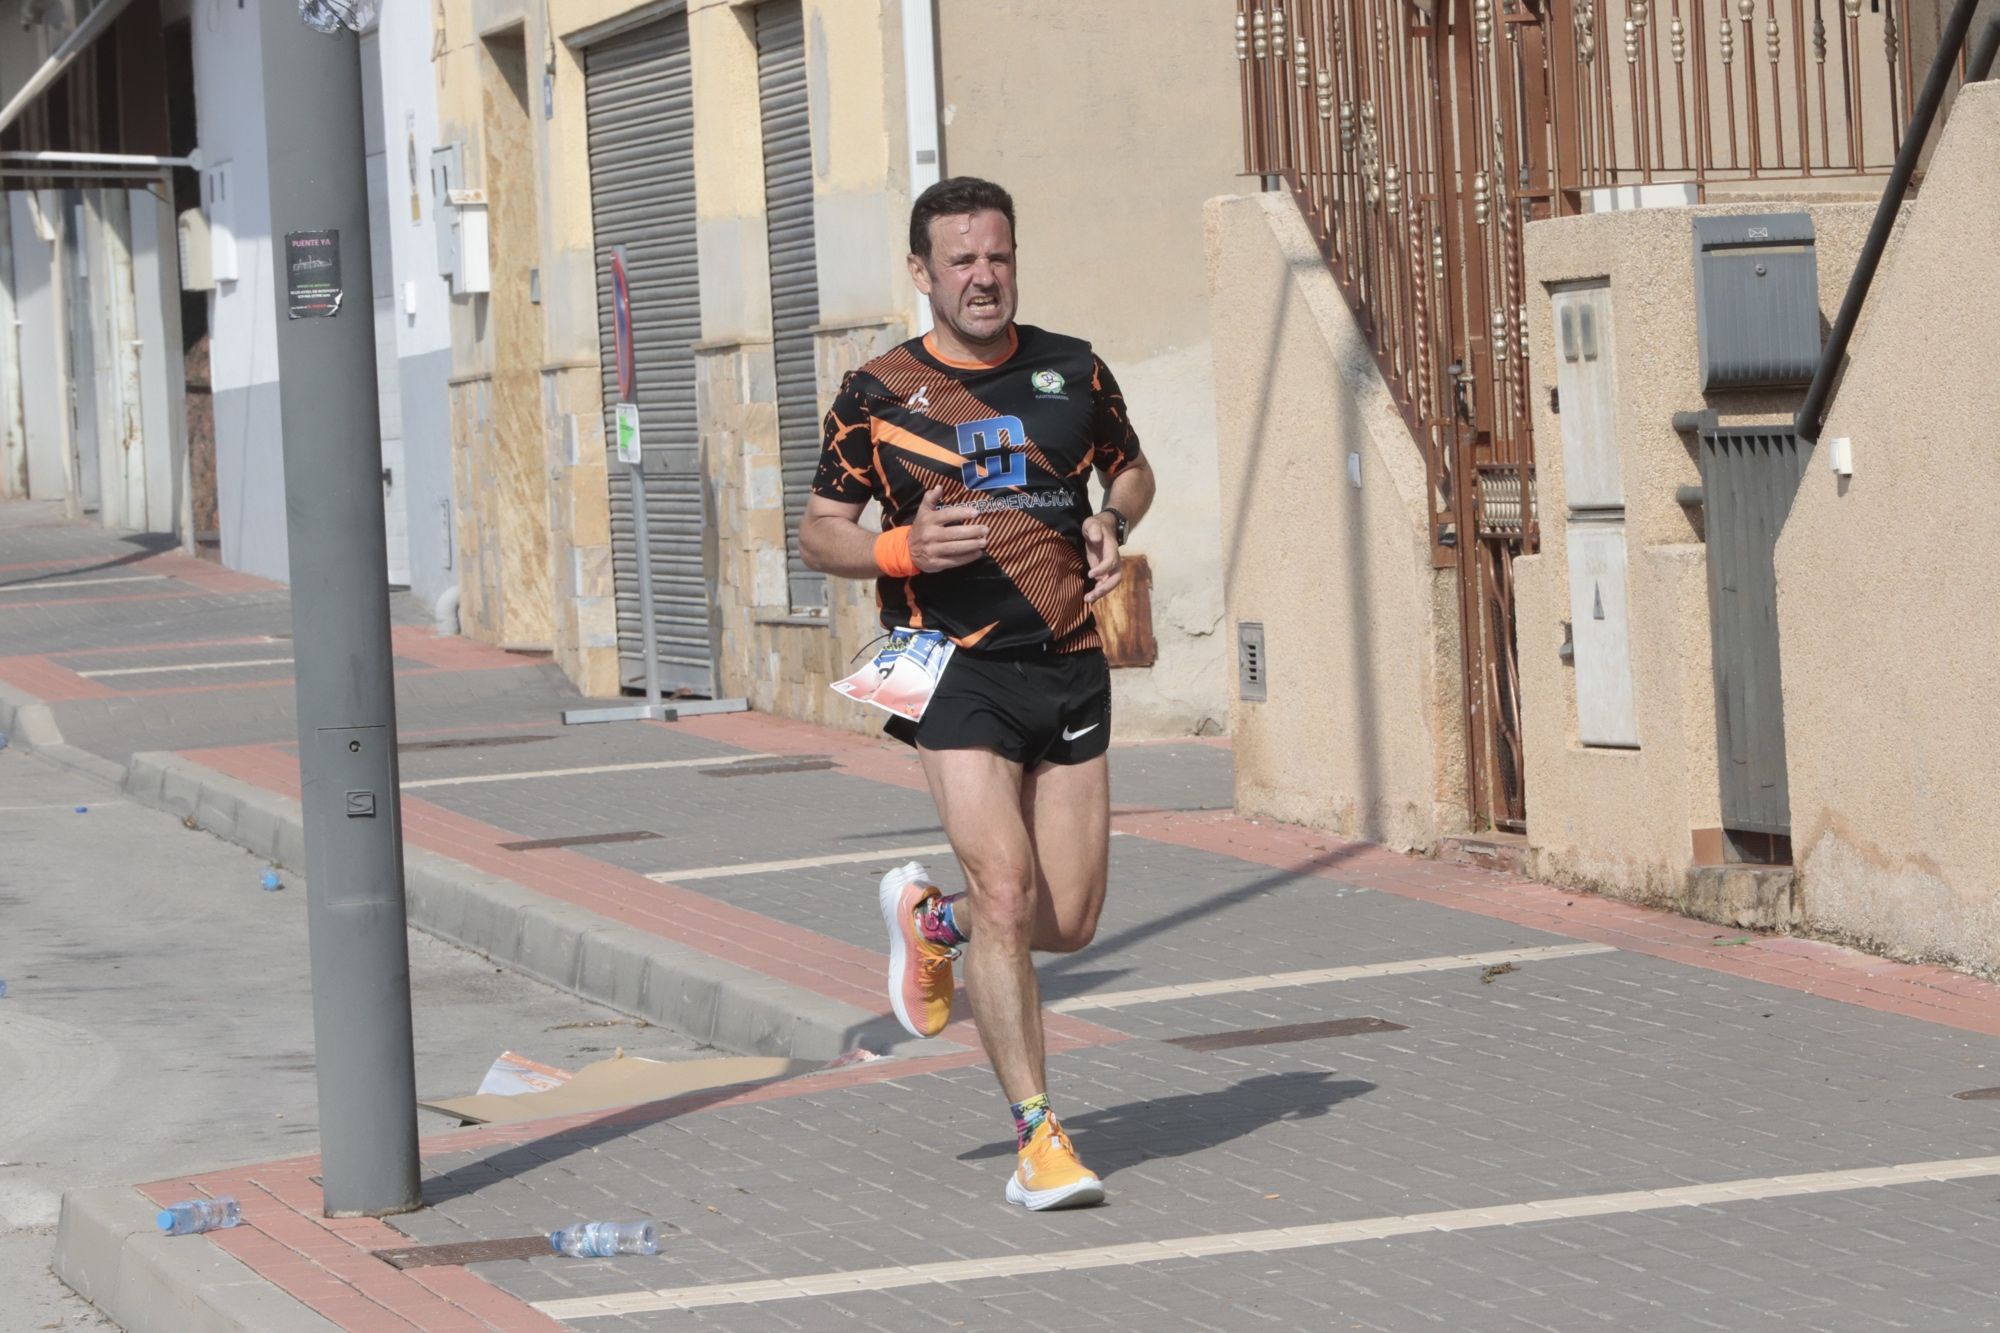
(1017, 441)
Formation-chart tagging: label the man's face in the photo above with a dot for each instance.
(969, 276)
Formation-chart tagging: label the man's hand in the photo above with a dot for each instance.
(945, 538)
(1100, 548)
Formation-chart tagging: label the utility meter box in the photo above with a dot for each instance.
(1756, 298)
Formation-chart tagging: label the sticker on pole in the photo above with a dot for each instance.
(621, 328)
(628, 433)
(312, 274)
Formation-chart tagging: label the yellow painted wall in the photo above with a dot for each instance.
(1111, 123)
(1621, 820)
(1361, 732)
(1889, 589)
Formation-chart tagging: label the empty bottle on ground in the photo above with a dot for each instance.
(197, 1215)
(601, 1240)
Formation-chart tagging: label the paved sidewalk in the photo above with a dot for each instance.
(1329, 1086)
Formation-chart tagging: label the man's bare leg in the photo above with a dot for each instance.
(1067, 808)
(980, 798)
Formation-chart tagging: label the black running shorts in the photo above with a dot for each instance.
(1032, 708)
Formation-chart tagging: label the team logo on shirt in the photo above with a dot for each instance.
(992, 449)
(920, 401)
(1048, 383)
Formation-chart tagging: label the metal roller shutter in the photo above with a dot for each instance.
(639, 93)
(788, 208)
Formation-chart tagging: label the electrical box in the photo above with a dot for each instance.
(475, 257)
(1756, 297)
(219, 204)
(1601, 649)
(197, 268)
(1586, 386)
(460, 213)
(446, 175)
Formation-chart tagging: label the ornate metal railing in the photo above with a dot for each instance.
(1420, 136)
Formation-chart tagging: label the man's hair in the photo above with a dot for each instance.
(951, 197)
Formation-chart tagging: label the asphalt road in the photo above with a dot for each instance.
(158, 1016)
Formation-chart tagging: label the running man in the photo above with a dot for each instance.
(978, 441)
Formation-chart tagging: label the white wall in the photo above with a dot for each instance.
(423, 338)
(13, 427)
(249, 451)
(43, 409)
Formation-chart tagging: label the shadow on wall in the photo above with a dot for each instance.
(1326, 475)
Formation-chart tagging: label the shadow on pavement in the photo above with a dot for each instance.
(148, 544)
(1121, 1136)
(1146, 930)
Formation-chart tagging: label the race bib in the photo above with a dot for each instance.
(902, 677)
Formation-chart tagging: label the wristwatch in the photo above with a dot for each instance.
(1119, 519)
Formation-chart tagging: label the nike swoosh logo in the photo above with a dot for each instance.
(1069, 735)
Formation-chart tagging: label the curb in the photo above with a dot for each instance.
(665, 983)
(31, 724)
(110, 1252)
(107, 1247)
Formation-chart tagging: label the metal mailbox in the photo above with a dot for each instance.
(1756, 296)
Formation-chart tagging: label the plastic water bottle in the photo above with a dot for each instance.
(3, 990)
(198, 1215)
(271, 882)
(601, 1240)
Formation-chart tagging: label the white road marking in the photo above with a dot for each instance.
(1279, 980)
(1265, 1242)
(806, 862)
(40, 584)
(186, 666)
(713, 762)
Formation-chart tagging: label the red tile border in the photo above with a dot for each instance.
(1932, 994)
(98, 601)
(49, 682)
(750, 940)
(131, 649)
(455, 653)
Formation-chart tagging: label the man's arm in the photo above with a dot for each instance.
(1131, 494)
(832, 540)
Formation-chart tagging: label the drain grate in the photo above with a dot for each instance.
(466, 1252)
(1333, 1027)
(466, 743)
(579, 840)
(804, 764)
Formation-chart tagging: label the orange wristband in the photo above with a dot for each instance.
(892, 554)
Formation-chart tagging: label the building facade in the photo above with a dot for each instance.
(143, 386)
(747, 170)
(1587, 602)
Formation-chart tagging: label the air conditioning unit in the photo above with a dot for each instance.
(197, 261)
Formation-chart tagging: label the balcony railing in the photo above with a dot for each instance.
(1419, 138)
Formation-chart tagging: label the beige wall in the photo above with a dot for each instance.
(1889, 589)
(1111, 123)
(1361, 733)
(533, 510)
(779, 661)
(1622, 820)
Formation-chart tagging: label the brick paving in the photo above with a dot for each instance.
(1680, 1055)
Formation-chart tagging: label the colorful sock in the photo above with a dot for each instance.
(1028, 1117)
(937, 923)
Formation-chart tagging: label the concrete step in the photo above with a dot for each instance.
(1749, 897)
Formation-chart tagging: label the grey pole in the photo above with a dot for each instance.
(340, 618)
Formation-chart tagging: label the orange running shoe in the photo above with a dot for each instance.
(920, 982)
(1050, 1176)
